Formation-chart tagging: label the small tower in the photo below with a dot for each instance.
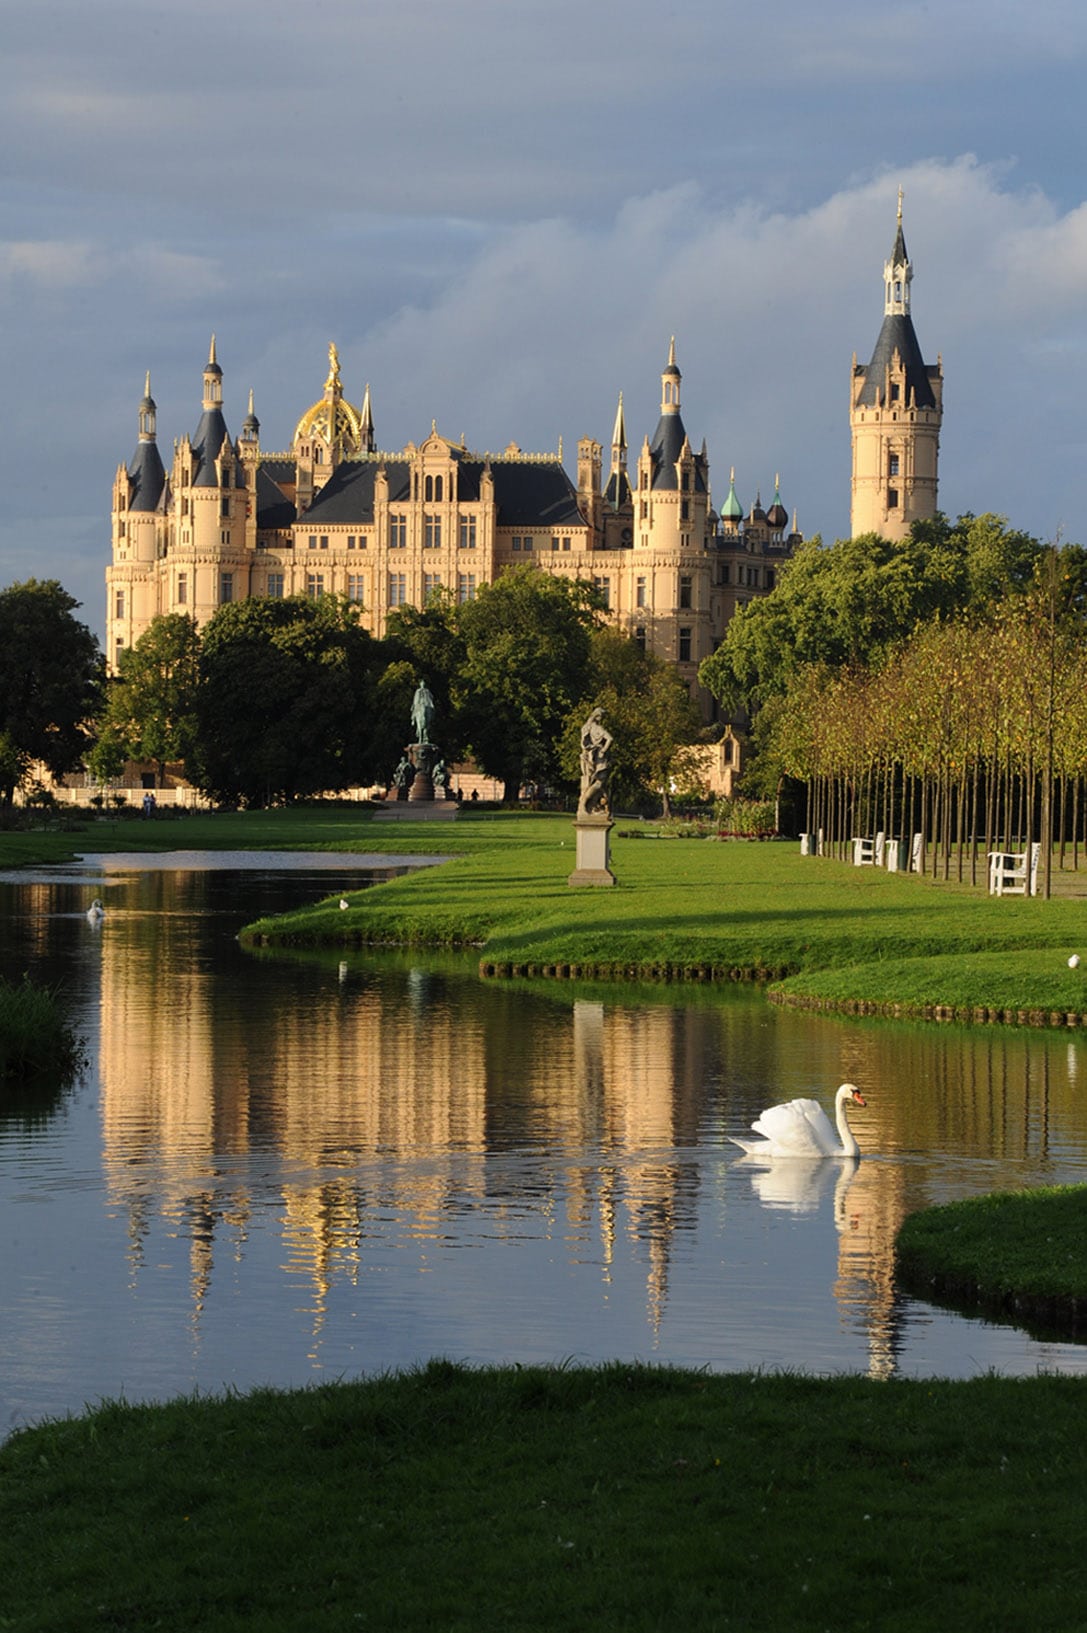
(896, 408)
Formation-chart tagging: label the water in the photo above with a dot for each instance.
(283, 1169)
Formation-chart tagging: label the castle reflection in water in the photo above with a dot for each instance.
(374, 1093)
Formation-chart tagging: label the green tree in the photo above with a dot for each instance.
(648, 711)
(150, 711)
(50, 678)
(284, 700)
(526, 665)
(854, 601)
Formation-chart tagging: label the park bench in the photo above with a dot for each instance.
(868, 853)
(1013, 873)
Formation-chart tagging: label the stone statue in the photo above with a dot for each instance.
(596, 742)
(404, 773)
(422, 712)
(441, 775)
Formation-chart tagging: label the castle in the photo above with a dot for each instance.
(334, 515)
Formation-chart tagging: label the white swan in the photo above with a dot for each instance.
(801, 1128)
(343, 904)
(96, 912)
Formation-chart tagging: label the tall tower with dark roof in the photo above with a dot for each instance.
(896, 408)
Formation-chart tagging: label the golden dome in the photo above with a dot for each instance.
(332, 417)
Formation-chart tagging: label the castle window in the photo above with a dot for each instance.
(398, 532)
(603, 588)
(895, 391)
(324, 541)
(467, 532)
(892, 465)
(398, 589)
(275, 586)
(566, 544)
(351, 541)
(685, 645)
(182, 589)
(119, 604)
(892, 498)
(226, 588)
(640, 594)
(313, 541)
(554, 541)
(119, 647)
(686, 589)
(120, 530)
(685, 510)
(466, 586)
(771, 578)
(432, 491)
(224, 535)
(432, 583)
(639, 636)
(315, 585)
(722, 572)
(224, 505)
(432, 539)
(356, 588)
(317, 456)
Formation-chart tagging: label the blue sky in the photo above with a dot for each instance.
(501, 212)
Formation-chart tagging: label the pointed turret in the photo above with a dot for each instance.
(210, 433)
(732, 511)
(670, 436)
(617, 492)
(895, 414)
(367, 443)
(777, 516)
(146, 472)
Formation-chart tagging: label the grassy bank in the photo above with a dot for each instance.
(696, 908)
(34, 1035)
(683, 908)
(1020, 1255)
(622, 1498)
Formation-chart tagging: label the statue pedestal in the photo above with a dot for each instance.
(593, 851)
(423, 757)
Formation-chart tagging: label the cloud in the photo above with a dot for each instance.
(55, 265)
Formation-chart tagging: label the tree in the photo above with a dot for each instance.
(283, 703)
(858, 599)
(50, 675)
(150, 711)
(526, 665)
(648, 711)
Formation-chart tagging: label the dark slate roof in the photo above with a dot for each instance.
(527, 494)
(274, 509)
(665, 449)
(280, 470)
(897, 334)
(147, 477)
(617, 493)
(207, 440)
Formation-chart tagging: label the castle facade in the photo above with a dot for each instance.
(334, 515)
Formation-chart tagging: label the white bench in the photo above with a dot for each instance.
(1012, 874)
(868, 853)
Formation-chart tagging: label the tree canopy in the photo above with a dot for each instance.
(50, 674)
(150, 711)
(282, 704)
(850, 602)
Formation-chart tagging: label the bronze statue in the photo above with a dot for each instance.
(422, 712)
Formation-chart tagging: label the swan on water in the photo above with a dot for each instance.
(96, 912)
(801, 1128)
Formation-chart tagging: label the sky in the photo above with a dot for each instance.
(502, 212)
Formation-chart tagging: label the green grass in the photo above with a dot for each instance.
(35, 1037)
(845, 937)
(699, 908)
(1019, 1254)
(619, 1498)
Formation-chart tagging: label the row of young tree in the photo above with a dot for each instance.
(275, 700)
(934, 687)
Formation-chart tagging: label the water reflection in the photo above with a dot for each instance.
(283, 1165)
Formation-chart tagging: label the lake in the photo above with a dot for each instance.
(281, 1169)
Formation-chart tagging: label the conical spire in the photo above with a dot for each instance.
(366, 424)
(147, 411)
(213, 380)
(897, 273)
(732, 510)
(619, 434)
